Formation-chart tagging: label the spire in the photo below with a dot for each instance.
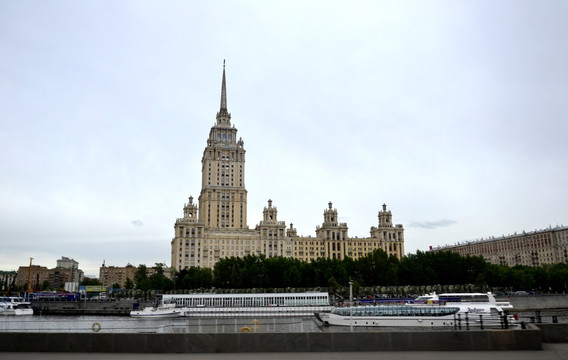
(223, 92)
(223, 116)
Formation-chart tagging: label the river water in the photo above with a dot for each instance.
(126, 324)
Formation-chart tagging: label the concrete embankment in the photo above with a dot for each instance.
(472, 340)
(535, 302)
(554, 333)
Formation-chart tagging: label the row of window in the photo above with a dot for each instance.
(224, 137)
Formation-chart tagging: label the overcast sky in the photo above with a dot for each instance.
(453, 113)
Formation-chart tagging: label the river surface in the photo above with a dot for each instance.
(126, 324)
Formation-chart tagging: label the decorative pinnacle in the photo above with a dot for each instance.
(223, 91)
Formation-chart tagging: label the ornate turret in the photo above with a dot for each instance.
(190, 210)
(385, 217)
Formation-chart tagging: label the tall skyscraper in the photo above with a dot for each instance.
(217, 227)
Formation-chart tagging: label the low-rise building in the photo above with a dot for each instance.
(64, 277)
(110, 275)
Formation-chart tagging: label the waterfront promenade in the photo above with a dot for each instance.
(549, 352)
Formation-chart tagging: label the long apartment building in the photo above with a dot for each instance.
(534, 248)
(216, 226)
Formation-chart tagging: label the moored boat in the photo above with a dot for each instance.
(451, 298)
(479, 308)
(15, 306)
(160, 311)
(251, 305)
(390, 316)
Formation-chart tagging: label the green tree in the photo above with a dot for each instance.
(140, 275)
(44, 285)
(333, 284)
(128, 284)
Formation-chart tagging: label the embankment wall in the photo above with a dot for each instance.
(472, 340)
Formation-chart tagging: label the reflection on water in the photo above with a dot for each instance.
(125, 324)
(121, 324)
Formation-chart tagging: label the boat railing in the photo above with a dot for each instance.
(482, 321)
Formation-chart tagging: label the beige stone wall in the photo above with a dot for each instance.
(109, 275)
(197, 245)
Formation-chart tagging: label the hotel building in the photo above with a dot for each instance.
(216, 226)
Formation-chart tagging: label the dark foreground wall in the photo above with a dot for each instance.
(554, 333)
(526, 339)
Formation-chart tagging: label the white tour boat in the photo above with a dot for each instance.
(250, 305)
(391, 316)
(477, 309)
(451, 298)
(15, 306)
(165, 310)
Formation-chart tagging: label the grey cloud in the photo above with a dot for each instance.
(137, 223)
(432, 224)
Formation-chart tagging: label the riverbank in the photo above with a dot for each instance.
(471, 340)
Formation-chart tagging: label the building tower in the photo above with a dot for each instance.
(215, 227)
(390, 236)
(223, 198)
(333, 234)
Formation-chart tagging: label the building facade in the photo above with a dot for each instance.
(65, 276)
(72, 265)
(7, 278)
(548, 246)
(216, 227)
(36, 275)
(110, 275)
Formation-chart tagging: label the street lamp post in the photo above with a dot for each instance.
(351, 304)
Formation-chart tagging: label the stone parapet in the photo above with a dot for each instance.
(472, 340)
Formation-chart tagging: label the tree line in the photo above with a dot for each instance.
(375, 269)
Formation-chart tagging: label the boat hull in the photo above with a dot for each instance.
(15, 309)
(387, 321)
(17, 312)
(155, 315)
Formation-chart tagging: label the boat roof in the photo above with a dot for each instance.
(243, 295)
